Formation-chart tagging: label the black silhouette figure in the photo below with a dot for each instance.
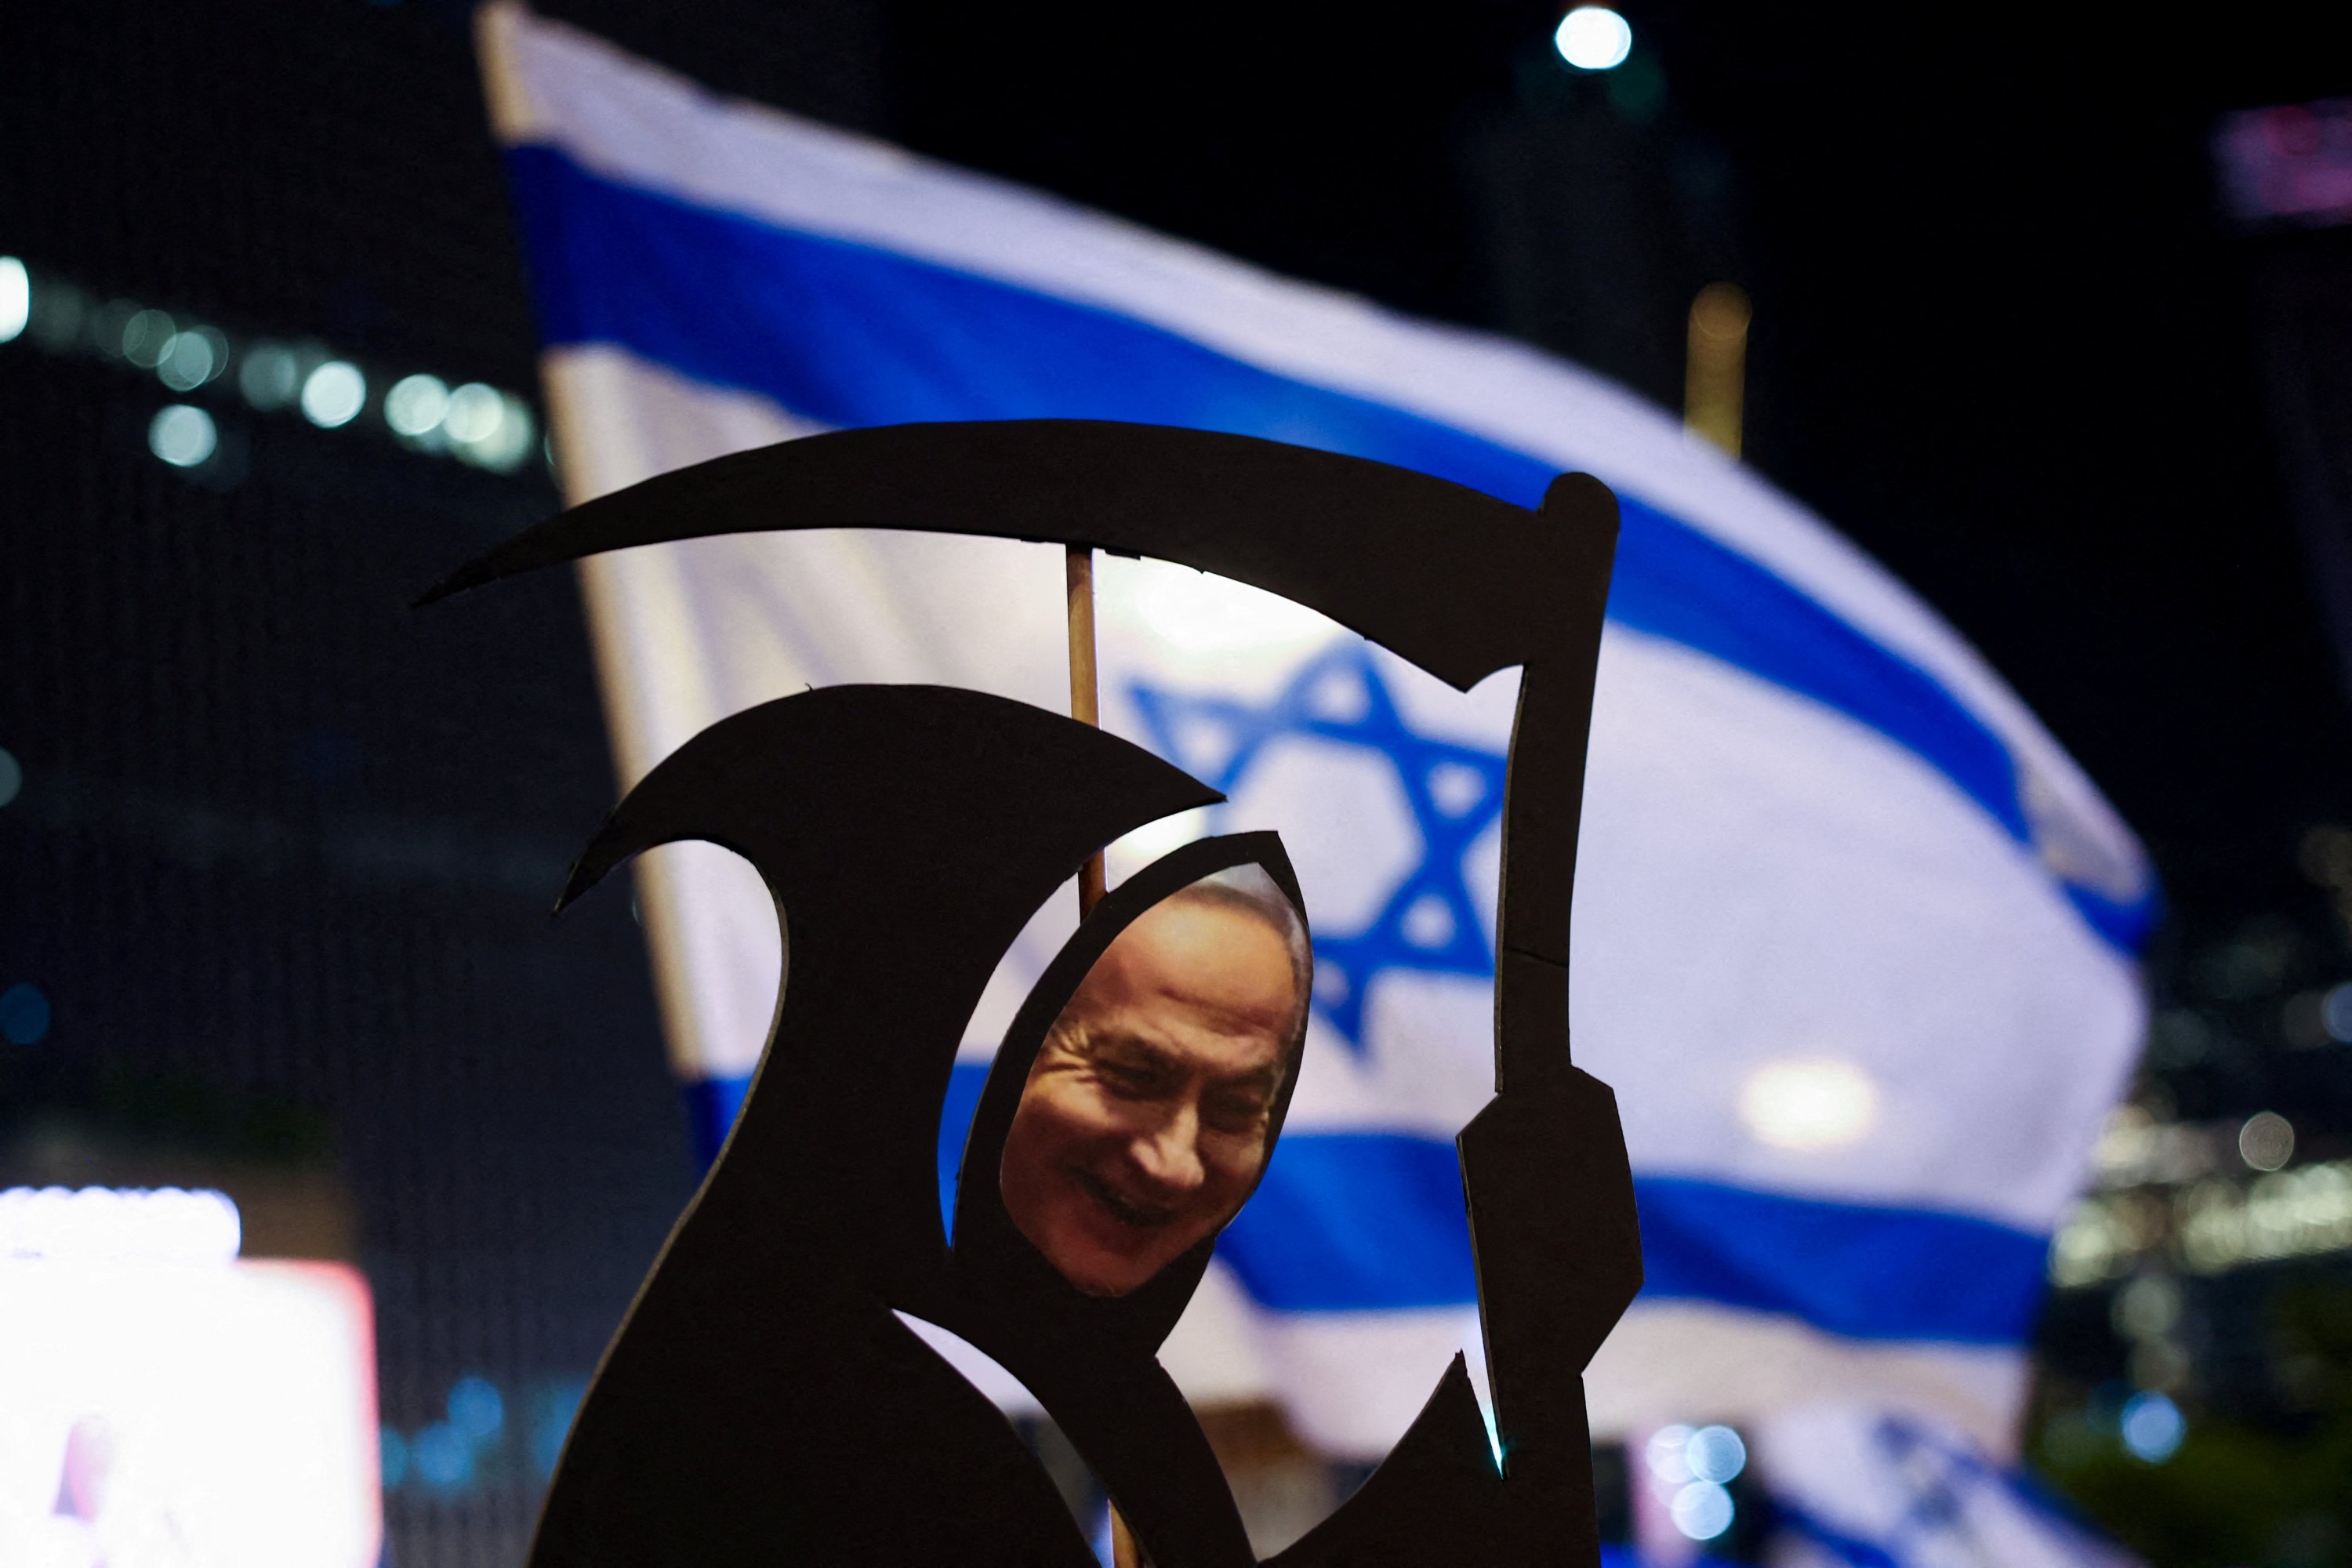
(761, 1404)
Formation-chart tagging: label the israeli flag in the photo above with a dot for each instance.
(1854, 938)
(1854, 1487)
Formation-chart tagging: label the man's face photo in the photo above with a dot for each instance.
(1149, 1112)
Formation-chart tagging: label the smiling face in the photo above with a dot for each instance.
(1149, 1112)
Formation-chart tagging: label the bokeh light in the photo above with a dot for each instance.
(1702, 1511)
(476, 1408)
(1594, 39)
(2152, 1428)
(106, 324)
(442, 1457)
(191, 358)
(333, 395)
(392, 1453)
(415, 406)
(270, 378)
(475, 413)
(12, 775)
(1666, 1457)
(182, 435)
(144, 337)
(2266, 1142)
(506, 428)
(24, 1014)
(1807, 1103)
(57, 312)
(16, 298)
(1715, 1454)
(2336, 1014)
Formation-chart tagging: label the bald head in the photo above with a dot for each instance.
(1149, 1112)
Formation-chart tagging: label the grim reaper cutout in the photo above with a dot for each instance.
(763, 1403)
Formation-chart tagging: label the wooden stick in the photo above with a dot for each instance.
(1079, 581)
(1078, 575)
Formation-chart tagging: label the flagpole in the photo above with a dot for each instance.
(1715, 385)
(603, 598)
(1079, 578)
(1078, 586)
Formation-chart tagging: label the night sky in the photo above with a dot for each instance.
(2002, 338)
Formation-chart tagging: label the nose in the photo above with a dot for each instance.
(1169, 1155)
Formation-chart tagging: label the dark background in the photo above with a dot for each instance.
(281, 858)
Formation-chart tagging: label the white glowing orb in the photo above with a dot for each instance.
(16, 298)
(191, 358)
(1702, 1511)
(2266, 1142)
(1666, 1455)
(333, 395)
(473, 413)
(1594, 39)
(415, 406)
(1715, 1454)
(182, 435)
(1809, 1103)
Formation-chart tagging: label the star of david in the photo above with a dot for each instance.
(1429, 922)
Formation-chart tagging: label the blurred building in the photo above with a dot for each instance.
(278, 852)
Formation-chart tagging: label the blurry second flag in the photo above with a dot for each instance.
(1855, 942)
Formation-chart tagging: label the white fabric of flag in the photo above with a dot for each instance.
(1854, 940)
(1854, 1487)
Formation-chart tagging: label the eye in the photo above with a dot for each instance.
(1130, 1080)
(1236, 1114)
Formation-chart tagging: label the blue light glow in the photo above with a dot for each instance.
(392, 1452)
(1715, 1454)
(2153, 1428)
(476, 1408)
(1702, 1511)
(24, 1014)
(442, 1457)
(552, 1416)
(2337, 1013)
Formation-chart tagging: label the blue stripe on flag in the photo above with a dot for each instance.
(1855, 1270)
(1373, 1222)
(845, 334)
(711, 1105)
(1351, 1222)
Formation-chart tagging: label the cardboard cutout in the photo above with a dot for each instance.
(1152, 1107)
(761, 1403)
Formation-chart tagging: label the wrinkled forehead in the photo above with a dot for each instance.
(1213, 958)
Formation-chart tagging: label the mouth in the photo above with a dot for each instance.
(1130, 1215)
